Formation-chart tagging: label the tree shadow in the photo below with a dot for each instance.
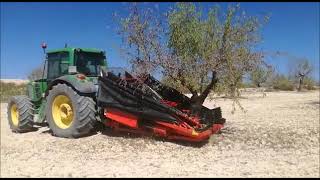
(229, 97)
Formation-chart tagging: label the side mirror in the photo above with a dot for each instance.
(72, 69)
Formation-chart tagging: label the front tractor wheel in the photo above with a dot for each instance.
(20, 114)
(69, 114)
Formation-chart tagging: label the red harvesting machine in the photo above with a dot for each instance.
(151, 108)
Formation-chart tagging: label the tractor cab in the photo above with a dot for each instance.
(69, 61)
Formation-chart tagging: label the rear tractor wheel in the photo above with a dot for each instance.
(69, 114)
(20, 114)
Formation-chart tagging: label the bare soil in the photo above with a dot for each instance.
(278, 136)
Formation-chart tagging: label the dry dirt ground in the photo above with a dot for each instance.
(278, 136)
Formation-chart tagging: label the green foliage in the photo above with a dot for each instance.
(281, 82)
(11, 89)
(169, 82)
(309, 83)
(185, 31)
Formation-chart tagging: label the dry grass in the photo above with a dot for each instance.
(11, 88)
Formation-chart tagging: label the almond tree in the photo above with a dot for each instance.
(261, 74)
(302, 70)
(194, 50)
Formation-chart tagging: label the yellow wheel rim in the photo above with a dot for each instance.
(14, 115)
(62, 111)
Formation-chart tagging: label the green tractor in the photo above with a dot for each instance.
(64, 98)
(76, 93)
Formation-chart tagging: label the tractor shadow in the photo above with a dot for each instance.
(46, 132)
(33, 129)
(101, 129)
(111, 133)
(49, 131)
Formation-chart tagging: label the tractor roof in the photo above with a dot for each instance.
(72, 49)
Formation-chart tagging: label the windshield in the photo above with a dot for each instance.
(87, 62)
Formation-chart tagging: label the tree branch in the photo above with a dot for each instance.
(183, 83)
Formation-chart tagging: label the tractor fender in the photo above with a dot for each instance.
(81, 86)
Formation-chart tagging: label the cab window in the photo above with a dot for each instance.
(87, 62)
(57, 64)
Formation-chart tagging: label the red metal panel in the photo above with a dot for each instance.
(160, 131)
(122, 118)
(181, 131)
(188, 133)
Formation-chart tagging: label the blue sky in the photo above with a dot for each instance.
(293, 28)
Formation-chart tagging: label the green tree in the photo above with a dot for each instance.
(193, 50)
(261, 74)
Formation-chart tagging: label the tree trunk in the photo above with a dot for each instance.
(198, 100)
(196, 103)
(300, 83)
(258, 84)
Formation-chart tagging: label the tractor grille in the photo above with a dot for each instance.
(37, 90)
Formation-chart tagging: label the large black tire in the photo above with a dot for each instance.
(20, 114)
(83, 107)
